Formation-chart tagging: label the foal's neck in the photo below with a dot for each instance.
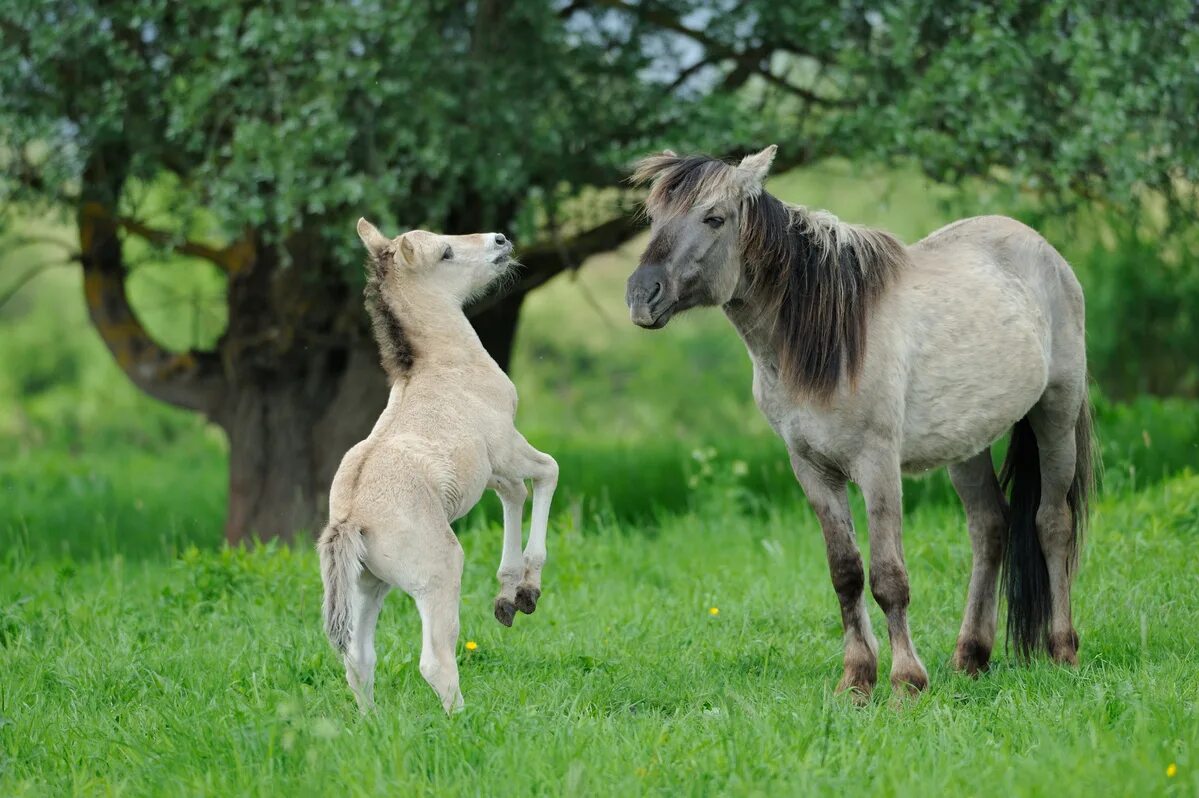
(440, 332)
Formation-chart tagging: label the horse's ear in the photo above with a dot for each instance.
(755, 167)
(374, 241)
(670, 153)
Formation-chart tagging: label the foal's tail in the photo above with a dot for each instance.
(341, 551)
(1025, 575)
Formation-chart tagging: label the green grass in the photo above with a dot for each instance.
(208, 674)
(138, 656)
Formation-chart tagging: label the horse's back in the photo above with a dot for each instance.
(985, 307)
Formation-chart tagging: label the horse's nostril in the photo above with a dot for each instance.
(653, 295)
(499, 239)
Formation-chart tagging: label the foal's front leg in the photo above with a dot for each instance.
(882, 488)
(829, 499)
(543, 471)
(512, 493)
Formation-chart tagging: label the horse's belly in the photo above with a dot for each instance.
(965, 397)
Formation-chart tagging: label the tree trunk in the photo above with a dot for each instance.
(286, 439)
(496, 326)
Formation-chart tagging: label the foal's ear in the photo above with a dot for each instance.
(755, 167)
(407, 251)
(374, 241)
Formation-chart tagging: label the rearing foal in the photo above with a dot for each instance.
(871, 359)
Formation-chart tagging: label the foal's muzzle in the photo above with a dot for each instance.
(650, 302)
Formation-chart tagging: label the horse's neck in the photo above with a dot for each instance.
(754, 330)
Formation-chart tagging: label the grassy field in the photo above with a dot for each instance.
(138, 656)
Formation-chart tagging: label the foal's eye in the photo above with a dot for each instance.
(714, 222)
(448, 254)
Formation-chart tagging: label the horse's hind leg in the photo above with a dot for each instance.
(830, 501)
(1053, 421)
(976, 485)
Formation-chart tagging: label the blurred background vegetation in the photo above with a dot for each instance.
(183, 344)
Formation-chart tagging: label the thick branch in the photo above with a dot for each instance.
(190, 380)
(230, 259)
(542, 261)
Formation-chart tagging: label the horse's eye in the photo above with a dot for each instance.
(448, 254)
(714, 222)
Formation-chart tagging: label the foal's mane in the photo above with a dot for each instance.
(814, 279)
(396, 353)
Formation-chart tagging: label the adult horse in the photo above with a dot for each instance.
(872, 358)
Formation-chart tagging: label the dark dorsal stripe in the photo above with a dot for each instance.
(396, 352)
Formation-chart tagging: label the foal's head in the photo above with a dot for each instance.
(456, 268)
(696, 207)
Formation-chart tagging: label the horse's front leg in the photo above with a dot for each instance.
(827, 495)
(882, 488)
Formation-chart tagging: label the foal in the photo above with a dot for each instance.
(447, 434)
(871, 358)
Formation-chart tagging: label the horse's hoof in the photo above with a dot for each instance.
(971, 657)
(1063, 649)
(858, 682)
(505, 611)
(526, 599)
(911, 683)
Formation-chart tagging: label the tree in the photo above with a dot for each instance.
(267, 128)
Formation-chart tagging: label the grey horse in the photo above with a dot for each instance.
(871, 359)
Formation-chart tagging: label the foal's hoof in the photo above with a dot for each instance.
(526, 599)
(971, 657)
(505, 611)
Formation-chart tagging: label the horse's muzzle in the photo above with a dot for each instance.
(646, 296)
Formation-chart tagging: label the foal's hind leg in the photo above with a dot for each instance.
(367, 601)
(975, 482)
(831, 503)
(437, 598)
(1053, 422)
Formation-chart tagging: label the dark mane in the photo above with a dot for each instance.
(396, 353)
(817, 281)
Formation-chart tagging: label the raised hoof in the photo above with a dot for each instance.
(911, 683)
(858, 682)
(526, 599)
(1064, 649)
(505, 611)
(972, 657)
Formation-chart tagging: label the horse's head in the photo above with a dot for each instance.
(455, 267)
(696, 207)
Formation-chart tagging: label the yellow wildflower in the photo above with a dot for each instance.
(713, 611)
(1172, 770)
(471, 645)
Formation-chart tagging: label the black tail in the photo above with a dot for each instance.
(1025, 575)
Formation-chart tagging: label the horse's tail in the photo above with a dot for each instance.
(1025, 575)
(341, 552)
